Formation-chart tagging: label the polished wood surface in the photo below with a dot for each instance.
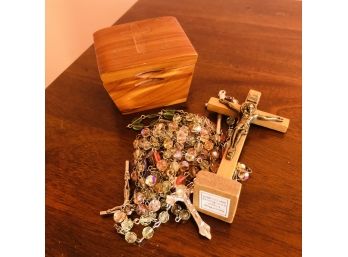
(242, 45)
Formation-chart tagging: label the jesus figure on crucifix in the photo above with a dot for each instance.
(248, 114)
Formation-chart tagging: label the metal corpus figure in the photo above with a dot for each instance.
(247, 115)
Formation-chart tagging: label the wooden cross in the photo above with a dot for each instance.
(217, 195)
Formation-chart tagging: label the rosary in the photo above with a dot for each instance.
(169, 153)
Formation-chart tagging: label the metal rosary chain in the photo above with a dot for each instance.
(154, 184)
(137, 221)
(137, 123)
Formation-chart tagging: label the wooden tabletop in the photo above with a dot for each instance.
(242, 45)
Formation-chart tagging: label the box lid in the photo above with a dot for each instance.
(142, 43)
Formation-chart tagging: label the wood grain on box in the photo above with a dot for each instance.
(145, 64)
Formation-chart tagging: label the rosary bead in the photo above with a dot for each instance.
(184, 214)
(189, 117)
(154, 142)
(198, 146)
(215, 154)
(174, 166)
(137, 154)
(138, 198)
(172, 126)
(204, 135)
(222, 94)
(154, 205)
(168, 143)
(204, 154)
(176, 118)
(208, 145)
(127, 225)
(163, 204)
(148, 232)
(146, 144)
(204, 165)
(166, 186)
(175, 209)
(145, 132)
(214, 167)
(145, 220)
(156, 156)
(134, 176)
(150, 180)
(141, 181)
(241, 166)
(180, 180)
(136, 143)
(216, 138)
(168, 133)
(128, 210)
(179, 146)
(244, 176)
(177, 155)
(158, 188)
(222, 138)
(243, 172)
(153, 215)
(190, 155)
(167, 154)
(140, 166)
(159, 126)
(130, 237)
(119, 216)
(181, 136)
(163, 217)
(180, 190)
(184, 166)
(141, 209)
(184, 129)
(157, 131)
(162, 165)
(150, 195)
(196, 128)
(193, 171)
(230, 121)
(191, 140)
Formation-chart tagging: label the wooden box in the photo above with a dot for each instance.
(216, 196)
(145, 64)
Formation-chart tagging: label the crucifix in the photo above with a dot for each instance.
(217, 194)
(181, 195)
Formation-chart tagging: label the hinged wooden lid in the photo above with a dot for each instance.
(147, 43)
